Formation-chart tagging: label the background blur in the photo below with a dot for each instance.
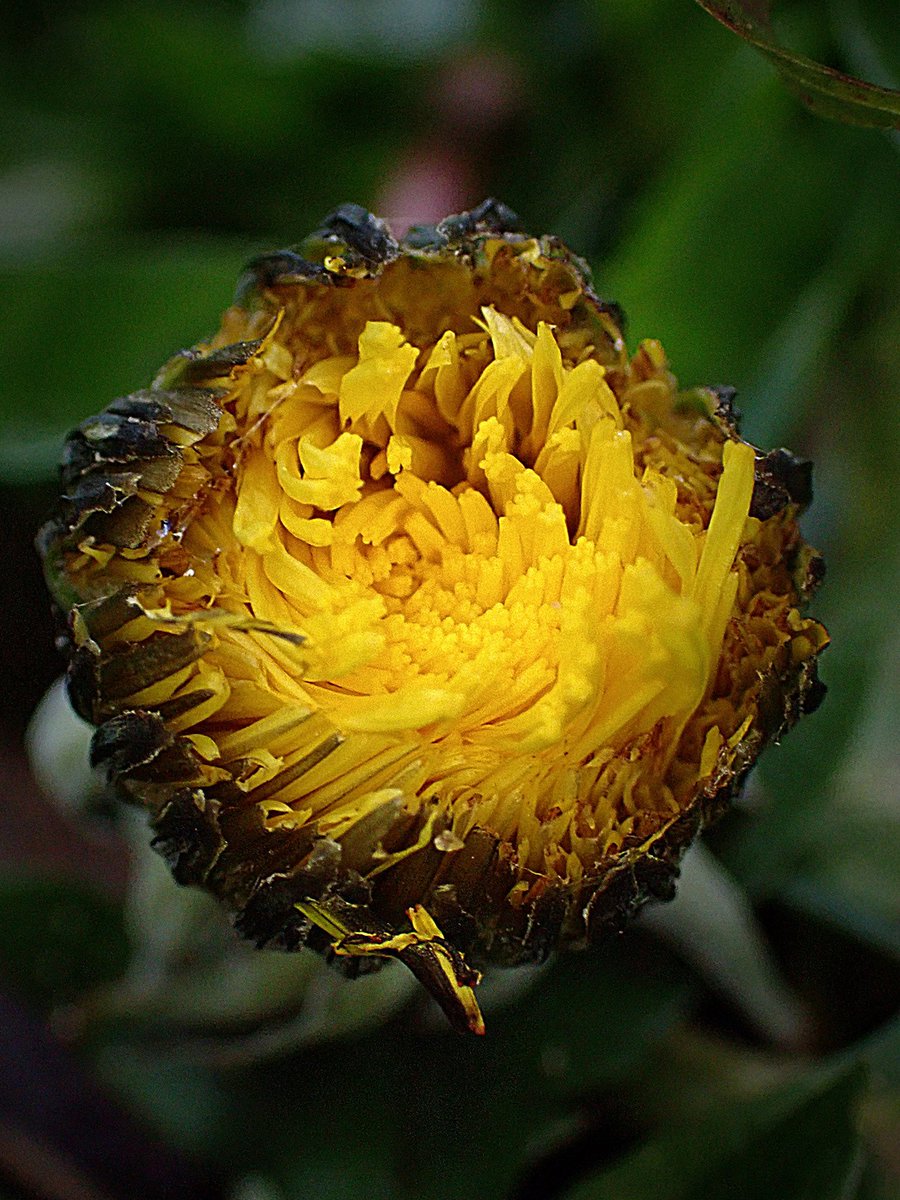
(739, 1043)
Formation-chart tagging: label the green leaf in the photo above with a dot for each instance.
(585, 1026)
(798, 1143)
(175, 1094)
(406, 1112)
(825, 91)
(58, 939)
(791, 360)
(726, 284)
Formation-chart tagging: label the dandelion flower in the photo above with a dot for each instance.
(425, 621)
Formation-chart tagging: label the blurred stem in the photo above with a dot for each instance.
(712, 925)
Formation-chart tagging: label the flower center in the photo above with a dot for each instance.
(501, 580)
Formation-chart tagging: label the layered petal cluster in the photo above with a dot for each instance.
(426, 621)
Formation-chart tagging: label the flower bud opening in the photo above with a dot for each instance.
(420, 615)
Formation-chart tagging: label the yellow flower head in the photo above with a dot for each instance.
(424, 620)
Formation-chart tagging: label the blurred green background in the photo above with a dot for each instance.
(741, 1043)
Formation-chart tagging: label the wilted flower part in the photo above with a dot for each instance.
(425, 621)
